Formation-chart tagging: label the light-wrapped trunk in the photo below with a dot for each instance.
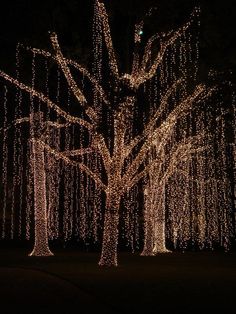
(148, 225)
(40, 203)
(154, 217)
(110, 232)
(160, 226)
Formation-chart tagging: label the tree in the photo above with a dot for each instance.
(121, 171)
(170, 159)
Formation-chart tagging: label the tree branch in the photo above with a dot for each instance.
(200, 93)
(151, 125)
(79, 152)
(139, 176)
(182, 152)
(99, 142)
(107, 36)
(14, 123)
(149, 143)
(76, 65)
(47, 101)
(57, 125)
(61, 61)
(144, 75)
(83, 167)
(164, 129)
(71, 82)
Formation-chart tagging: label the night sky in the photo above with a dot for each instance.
(28, 22)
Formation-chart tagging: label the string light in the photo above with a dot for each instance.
(159, 153)
(40, 202)
(4, 163)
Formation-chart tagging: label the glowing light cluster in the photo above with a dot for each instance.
(115, 160)
(40, 203)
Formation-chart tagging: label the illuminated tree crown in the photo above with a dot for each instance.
(115, 152)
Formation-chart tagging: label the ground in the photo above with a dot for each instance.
(72, 282)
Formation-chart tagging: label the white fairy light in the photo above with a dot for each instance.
(40, 202)
(4, 163)
(124, 155)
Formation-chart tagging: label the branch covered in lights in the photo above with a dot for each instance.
(77, 66)
(82, 166)
(15, 123)
(163, 131)
(47, 101)
(107, 36)
(112, 156)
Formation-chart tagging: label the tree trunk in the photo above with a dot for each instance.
(40, 205)
(159, 227)
(154, 219)
(148, 225)
(110, 232)
(159, 238)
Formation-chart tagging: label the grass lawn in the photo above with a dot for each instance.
(72, 282)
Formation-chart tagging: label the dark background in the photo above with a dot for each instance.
(28, 22)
